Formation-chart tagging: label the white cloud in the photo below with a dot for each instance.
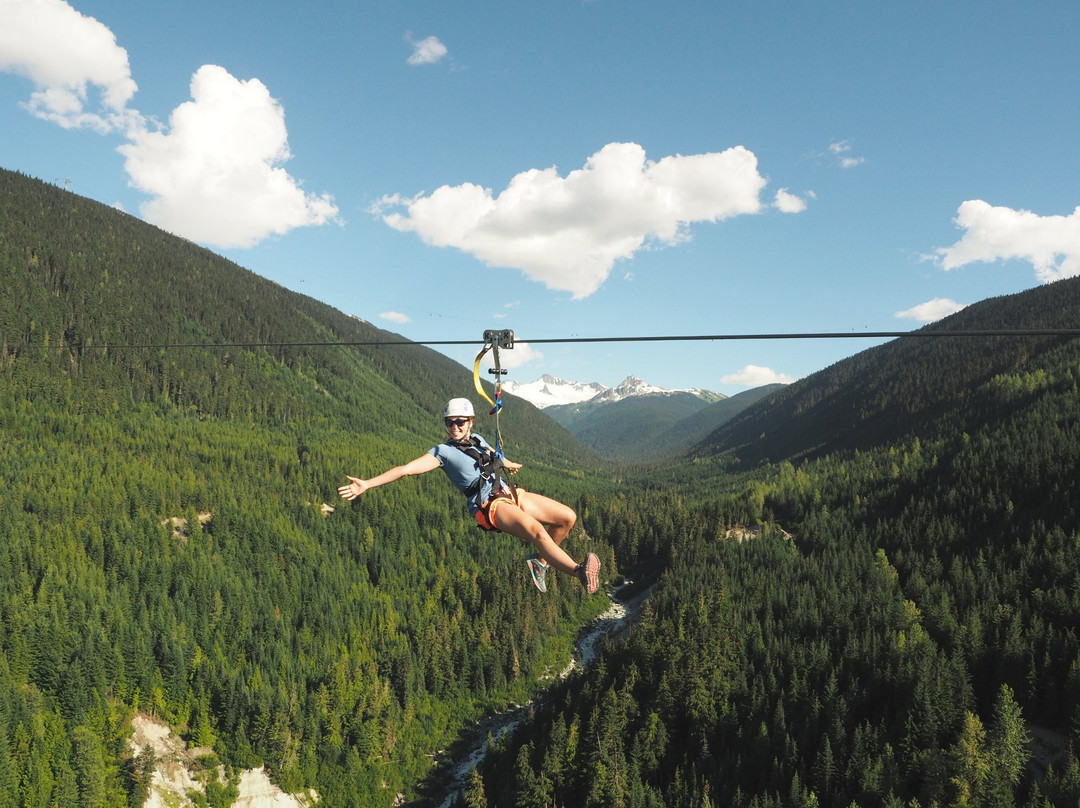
(521, 354)
(841, 149)
(69, 58)
(932, 310)
(214, 177)
(1051, 244)
(215, 174)
(756, 376)
(395, 317)
(788, 203)
(426, 51)
(568, 232)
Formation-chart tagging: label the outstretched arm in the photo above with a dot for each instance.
(356, 486)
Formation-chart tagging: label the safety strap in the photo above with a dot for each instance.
(488, 463)
(493, 340)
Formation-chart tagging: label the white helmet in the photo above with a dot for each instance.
(458, 408)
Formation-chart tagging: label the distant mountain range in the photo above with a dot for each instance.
(636, 420)
(549, 391)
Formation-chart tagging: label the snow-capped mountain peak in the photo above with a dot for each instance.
(630, 386)
(548, 391)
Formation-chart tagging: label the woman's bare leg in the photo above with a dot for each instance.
(556, 517)
(509, 518)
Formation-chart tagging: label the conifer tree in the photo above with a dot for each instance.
(474, 791)
(1007, 742)
(971, 762)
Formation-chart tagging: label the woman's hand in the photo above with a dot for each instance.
(511, 466)
(422, 465)
(354, 489)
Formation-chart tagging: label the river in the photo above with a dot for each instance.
(617, 619)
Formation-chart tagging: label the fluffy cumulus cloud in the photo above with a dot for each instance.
(395, 317)
(214, 175)
(81, 75)
(1051, 244)
(788, 203)
(426, 51)
(568, 232)
(932, 310)
(756, 376)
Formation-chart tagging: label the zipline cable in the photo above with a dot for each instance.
(928, 334)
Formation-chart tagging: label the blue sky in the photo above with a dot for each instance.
(579, 169)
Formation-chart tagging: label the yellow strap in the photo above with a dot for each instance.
(476, 375)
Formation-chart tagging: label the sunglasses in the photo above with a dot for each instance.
(456, 421)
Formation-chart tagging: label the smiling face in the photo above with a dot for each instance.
(458, 428)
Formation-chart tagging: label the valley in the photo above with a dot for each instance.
(899, 629)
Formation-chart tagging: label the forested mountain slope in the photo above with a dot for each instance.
(81, 276)
(684, 435)
(881, 614)
(651, 427)
(901, 628)
(627, 429)
(171, 541)
(904, 386)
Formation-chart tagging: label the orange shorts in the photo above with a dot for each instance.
(485, 517)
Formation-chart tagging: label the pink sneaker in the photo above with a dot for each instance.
(589, 573)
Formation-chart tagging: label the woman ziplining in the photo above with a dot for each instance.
(497, 505)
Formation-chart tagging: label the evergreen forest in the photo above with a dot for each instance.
(863, 590)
